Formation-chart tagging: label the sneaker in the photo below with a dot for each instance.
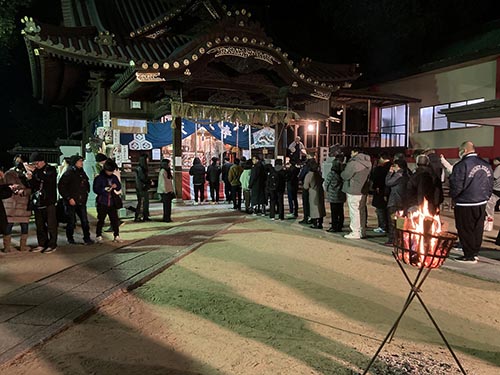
(379, 230)
(99, 239)
(272, 218)
(118, 239)
(49, 250)
(352, 236)
(71, 242)
(37, 249)
(89, 242)
(468, 260)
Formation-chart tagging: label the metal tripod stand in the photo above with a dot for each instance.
(414, 292)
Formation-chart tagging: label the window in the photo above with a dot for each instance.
(393, 126)
(431, 119)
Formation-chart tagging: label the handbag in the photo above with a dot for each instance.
(117, 200)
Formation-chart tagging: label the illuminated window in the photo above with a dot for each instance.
(393, 126)
(431, 119)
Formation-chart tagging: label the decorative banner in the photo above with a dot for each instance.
(263, 138)
(106, 118)
(116, 136)
(125, 154)
(140, 143)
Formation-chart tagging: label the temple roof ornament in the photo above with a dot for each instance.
(243, 52)
(105, 38)
(30, 26)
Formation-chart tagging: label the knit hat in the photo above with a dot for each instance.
(36, 156)
(100, 157)
(74, 159)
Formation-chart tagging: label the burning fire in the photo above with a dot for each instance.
(420, 236)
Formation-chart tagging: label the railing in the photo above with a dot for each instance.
(364, 140)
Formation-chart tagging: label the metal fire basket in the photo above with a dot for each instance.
(425, 251)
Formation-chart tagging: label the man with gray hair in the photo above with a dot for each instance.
(471, 185)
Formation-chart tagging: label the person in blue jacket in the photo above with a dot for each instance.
(108, 201)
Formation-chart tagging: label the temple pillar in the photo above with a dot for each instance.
(177, 162)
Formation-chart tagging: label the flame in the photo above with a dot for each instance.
(422, 223)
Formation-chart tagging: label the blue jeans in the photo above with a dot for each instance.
(72, 212)
(24, 228)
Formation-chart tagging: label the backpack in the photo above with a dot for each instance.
(272, 180)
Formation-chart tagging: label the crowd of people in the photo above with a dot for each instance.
(395, 190)
(34, 186)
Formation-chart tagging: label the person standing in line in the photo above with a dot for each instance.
(5, 193)
(197, 170)
(276, 182)
(213, 178)
(225, 178)
(166, 189)
(16, 206)
(379, 201)
(292, 189)
(471, 185)
(356, 186)
(257, 184)
(425, 184)
(335, 195)
(74, 187)
(106, 186)
(234, 179)
(43, 182)
(245, 181)
(142, 185)
(397, 181)
(313, 183)
(305, 193)
(490, 206)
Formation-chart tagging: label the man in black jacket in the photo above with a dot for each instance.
(43, 184)
(213, 178)
(225, 178)
(471, 185)
(74, 188)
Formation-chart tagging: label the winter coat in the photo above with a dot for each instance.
(235, 174)
(142, 180)
(213, 173)
(355, 175)
(225, 172)
(45, 179)
(471, 181)
(316, 195)
(276, 179)
(258, 184)
(74, 184)
(16, 207)
(5, 193)
(333, 187)
(425, 184)
(245, 179)
(101, 182)
(292, 183)
(398, 183)
(377, 177)
(165, 184)
(198, 173)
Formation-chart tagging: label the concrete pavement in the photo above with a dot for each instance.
(78, 279)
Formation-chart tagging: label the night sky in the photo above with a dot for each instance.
(384, 36)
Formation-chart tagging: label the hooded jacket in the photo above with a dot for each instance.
(198, 172)
(355, 175)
